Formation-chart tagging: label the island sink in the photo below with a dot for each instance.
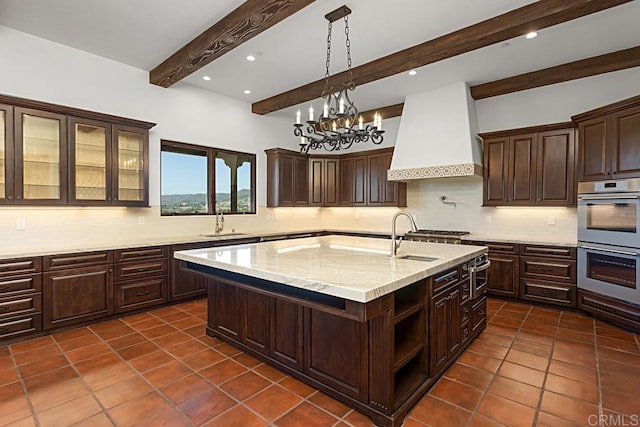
(374, 332)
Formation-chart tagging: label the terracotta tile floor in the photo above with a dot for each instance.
(532, 366)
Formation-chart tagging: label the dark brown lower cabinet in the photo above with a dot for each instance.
(77, 295)
(445, 327)
(139, 294)
(502, 276)
(20, 296)
(185, 283)
(621, 313)
(285, 332)
(372, 356)
(336, 352)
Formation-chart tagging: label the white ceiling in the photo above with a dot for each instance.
(143, 33)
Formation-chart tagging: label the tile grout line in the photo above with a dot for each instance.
(598, 380)
(24, 387)
(495, 375)
(543, 388)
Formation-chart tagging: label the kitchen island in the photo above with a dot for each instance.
(340, 314)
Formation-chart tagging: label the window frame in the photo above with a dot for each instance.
(210, 153)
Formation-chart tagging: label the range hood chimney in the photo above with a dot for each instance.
(437, 136)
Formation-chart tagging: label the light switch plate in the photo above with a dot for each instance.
(21, 224)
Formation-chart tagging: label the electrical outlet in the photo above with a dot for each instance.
(551, 220)
(21, 224)
(488, 219)
(141, 220)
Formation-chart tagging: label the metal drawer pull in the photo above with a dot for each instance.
(140, 294)
(4, 288)
(606, 197)
(4, 308)
(4, 329)
(613, 251)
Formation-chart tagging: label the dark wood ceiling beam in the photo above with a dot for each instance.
(615, 61)
(387, 112)
(247, 21)
(536, 16)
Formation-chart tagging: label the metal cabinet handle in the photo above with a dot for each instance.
(140, 294)
(4, 288)
(5, 308)
(613, 251)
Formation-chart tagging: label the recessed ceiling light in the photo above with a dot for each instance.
(251, 58)
(531, 35)
(413, 72)
(207, 78)
(247, 92)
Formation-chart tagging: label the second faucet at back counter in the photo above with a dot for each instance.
(219, 221)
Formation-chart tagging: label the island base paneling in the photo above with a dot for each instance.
(372, 356)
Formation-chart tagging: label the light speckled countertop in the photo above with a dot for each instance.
(355, 268)
(520, 240)
(66, 248)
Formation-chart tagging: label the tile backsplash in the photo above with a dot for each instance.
(47, 227)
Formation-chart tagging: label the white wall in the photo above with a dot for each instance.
(556, 103)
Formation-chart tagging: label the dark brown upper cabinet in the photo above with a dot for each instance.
(324, 181)
(287, 178)
(530, 166)
(355, 179)
(57, 155)
(609, 141)
(6, 154)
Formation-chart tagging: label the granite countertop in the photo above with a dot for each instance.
(355, 268)
(66, 248)
(521, 240)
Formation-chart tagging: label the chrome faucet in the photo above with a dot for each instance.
(219, 221)
(395, 242)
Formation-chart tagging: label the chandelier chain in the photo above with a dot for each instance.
(348, 44)
(328, 63)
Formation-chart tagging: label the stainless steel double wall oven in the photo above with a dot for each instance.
(609, 238)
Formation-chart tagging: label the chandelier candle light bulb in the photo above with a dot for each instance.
(335, 128)
(298, 117)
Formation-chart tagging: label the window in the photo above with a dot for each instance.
(204, 180)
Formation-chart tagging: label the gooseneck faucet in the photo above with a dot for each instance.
(395, 242)
(219, 221)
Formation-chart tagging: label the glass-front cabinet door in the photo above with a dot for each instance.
(131, 174)
(6, 154)
(90, 162)
(41, 157)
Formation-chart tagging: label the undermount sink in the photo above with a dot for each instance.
(422, 258)
(223, 234)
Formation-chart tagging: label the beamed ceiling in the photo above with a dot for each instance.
(480, 42)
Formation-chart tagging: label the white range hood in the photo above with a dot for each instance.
(437, 136)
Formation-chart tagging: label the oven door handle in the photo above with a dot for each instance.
(613, 251)
(608, 196)
(481, 267)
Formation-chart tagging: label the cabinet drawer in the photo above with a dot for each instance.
(619, 312)
(82, 259)
(141, 269)
(19, 326)
(548, 251)
(442, 280)
(548, 292)
(12, 285)
(139, 294)
(21, 305)
(465, 311)
(544, 268)
(20, 266)
(507, 248)
(478, 315)
(138, 254)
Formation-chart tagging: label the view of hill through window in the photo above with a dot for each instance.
(184, 183)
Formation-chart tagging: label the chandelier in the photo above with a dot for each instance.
(338, 126)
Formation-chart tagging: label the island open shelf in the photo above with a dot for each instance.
(375, 355)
